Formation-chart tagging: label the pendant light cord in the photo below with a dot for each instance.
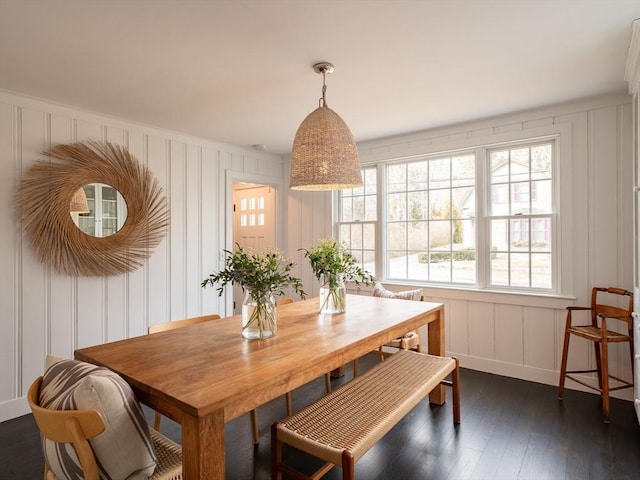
(323, 101)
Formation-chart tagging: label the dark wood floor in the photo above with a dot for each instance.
(511, 429)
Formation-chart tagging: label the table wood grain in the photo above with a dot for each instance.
(204, 375)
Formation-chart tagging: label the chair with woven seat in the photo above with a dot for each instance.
(410, 340)
(79, 426)
(598, 330)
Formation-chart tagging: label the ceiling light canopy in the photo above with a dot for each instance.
(324, 155)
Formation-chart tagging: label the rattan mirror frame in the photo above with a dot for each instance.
(42, 207)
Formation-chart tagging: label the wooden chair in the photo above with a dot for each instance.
(163, 327)
(192, 321)
(409, 341)
(598, 332)
(78, 426)
(284, 301)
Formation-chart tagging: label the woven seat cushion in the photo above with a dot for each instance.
(125, 449)
(589, 331)
(380, 291)
(169, 458)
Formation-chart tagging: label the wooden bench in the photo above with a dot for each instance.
(342, 426)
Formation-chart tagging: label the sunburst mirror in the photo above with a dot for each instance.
(91, 209)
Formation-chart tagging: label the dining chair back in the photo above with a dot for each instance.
(284, 301)
(410, 340)
(79, 426)
(161, 327)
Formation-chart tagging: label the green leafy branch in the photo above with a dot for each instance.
(331, 260)
(263, 274)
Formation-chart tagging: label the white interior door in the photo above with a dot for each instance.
(254, 222)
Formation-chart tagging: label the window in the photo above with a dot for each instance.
(358, 215)
(252, 212)
(430, 234)
(107, 211)
(481, 218)
(521, 228)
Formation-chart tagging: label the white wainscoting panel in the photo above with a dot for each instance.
(509, 331)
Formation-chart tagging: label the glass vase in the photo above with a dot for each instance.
(259, 315)
(333, 295)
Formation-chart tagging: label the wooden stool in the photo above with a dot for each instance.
(601, 336)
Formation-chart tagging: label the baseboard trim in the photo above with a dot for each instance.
(13, 409)
(523, 372)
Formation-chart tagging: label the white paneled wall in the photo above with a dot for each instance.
(515, 335)
(41, 312)
(521, 335)
(308, 220)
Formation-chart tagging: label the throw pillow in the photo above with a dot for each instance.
(380, 291)
(125, 449)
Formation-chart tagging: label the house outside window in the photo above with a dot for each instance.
(521, 229)
(482, 218)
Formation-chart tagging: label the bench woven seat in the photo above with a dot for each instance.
(342, 426)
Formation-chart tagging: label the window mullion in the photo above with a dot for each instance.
(381, 227)
(407, 216)
(483, 195)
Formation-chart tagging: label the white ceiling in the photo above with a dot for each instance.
(239, 71)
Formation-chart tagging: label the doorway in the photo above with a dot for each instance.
(254, 223)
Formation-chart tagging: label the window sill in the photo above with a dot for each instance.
(439, 293)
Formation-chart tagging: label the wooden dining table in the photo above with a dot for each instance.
(204, 375)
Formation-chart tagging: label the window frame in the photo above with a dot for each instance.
(562, 225)
(530, 217)
(382, 185)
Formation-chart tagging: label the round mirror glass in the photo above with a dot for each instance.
(98, 209)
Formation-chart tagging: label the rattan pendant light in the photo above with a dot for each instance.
(324, 155)
(79, 202)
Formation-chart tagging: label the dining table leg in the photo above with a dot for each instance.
(435, 339)
(203, 447)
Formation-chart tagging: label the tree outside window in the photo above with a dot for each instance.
(430, 224)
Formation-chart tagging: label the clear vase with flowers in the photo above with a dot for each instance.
(261, 276)
(333, 265)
